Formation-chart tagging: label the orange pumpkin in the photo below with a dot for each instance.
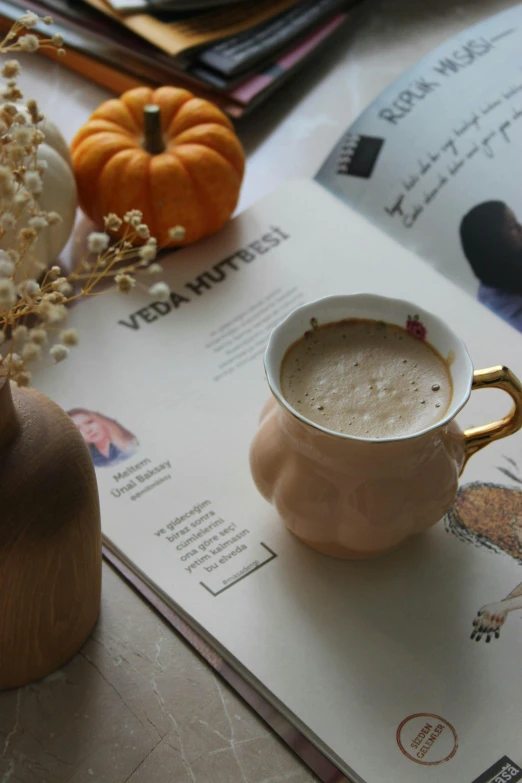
(180, 163)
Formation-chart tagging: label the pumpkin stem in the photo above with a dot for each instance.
(153, 141)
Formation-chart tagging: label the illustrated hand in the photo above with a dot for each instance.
(488, 621)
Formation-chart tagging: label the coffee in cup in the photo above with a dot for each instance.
(366, 379)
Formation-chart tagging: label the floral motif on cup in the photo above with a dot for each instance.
(416, 328)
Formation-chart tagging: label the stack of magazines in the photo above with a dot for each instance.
(234, 53)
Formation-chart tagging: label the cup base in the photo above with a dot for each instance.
(340, 552)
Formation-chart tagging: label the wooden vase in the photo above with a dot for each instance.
(50, 537)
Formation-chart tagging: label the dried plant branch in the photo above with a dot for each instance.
(33, 308)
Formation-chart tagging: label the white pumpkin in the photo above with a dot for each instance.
(59, 195)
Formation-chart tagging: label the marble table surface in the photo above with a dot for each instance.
(136, 704)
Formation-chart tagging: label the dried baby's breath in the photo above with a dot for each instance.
(69, 337)
(53, 218)
(143, 231)
(22, 377)
(33, 308)
(125, 283)
(31, 352)
(147, 253)
(30, 289)
(7, 294)
(133, 217)
(38, 336)
(11, 69)
(29, 43)
(6, 267)
(160, 291)
(177, 233)
(112, 222)
(97, 242)
(33, 182)
(29, 19)
(20, 332)
(59, 352)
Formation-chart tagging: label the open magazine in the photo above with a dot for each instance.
(371, 664)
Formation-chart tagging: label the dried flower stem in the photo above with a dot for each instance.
(32, 310)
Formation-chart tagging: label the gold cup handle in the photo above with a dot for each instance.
(499, 378)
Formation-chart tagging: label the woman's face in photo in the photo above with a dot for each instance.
(513, 230)
(91, 427)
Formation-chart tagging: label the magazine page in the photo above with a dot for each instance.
(436, 161)
(373, 659)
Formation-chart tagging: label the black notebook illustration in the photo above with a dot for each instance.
(358, 155)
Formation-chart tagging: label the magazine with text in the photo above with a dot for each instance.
(436, 162)
(374, 662)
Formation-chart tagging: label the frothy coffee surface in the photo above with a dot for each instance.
(367, 379)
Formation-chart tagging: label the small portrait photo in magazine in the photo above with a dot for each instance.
(491, 239)
(108, 442)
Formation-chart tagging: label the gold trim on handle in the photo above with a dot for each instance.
(498, 378)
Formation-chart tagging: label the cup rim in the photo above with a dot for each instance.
(338, 299)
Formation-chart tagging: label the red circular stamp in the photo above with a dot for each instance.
(427, 739)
